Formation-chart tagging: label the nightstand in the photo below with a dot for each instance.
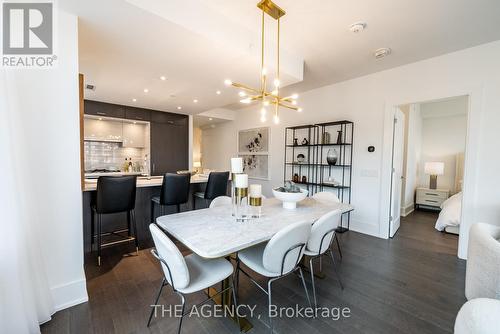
(431, 198)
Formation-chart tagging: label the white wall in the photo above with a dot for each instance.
(366, 101)
(444, 129)
(45, 123)
(413, 150)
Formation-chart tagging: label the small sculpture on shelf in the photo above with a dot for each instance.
(325, 138)
(304, 179)
(296, 178)
(332, 157)
(339, 137)
(301, 158)
(295, 142)
(305, 141)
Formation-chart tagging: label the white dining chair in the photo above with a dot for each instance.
(276, 259)
(327, 196)
(220, 201)
(188, 274)
(319, 243)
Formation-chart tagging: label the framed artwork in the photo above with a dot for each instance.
(253, 147)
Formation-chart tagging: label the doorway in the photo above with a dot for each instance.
(428, 164)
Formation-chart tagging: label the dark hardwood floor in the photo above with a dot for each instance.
(413, 283)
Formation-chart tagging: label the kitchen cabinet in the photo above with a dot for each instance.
(104, 109)
(137, 114)
(102, 130)
(134, 135)
(169, 143)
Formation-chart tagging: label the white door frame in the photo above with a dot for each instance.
(475, 95)
(392, 222)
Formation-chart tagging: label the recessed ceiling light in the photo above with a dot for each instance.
(210, 118)
(135, 122)
(146, 90)
(382, 52)
(195, 101)
(357, 27)
(100, 118)
(242, 94)
(134, 100)
(218, 92)
(163, 78)
(179, 108)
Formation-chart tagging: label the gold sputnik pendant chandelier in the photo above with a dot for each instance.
(267, 97)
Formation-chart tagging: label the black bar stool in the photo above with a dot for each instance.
(216, 186)
(115, 195)
(174, 191)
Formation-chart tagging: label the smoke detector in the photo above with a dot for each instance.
(357, 27)
(382, 52)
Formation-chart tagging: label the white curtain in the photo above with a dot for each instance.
(25, 298)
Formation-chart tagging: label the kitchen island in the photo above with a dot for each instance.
(147, 187)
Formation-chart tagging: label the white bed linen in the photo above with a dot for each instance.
(450, 213)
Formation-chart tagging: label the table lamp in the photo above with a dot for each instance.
(197, 165)
(433, 169)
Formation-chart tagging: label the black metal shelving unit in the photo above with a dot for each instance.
(319, 174)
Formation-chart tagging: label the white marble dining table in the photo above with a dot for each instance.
(214, 232)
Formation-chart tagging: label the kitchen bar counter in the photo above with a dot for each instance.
(142, 182)
(146, 189)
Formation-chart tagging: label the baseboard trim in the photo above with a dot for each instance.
(69, 294)
(405, 211)
(365, 228)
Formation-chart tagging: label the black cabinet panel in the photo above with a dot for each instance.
(166, 117)
(104, 109)
(169, 146)
(137, 114)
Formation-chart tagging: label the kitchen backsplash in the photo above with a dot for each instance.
(109, 155)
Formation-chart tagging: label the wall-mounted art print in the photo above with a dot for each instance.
(253, 141)
(256, 166)
(253, 147)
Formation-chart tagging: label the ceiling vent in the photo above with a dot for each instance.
(90, 87)
(357, 27)
(382, 52)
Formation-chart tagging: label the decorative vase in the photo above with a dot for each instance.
(305, 141)
(296, 178)
(332, 156)
(301, 158)
(304, 179)
(295, 142)
(339, 137)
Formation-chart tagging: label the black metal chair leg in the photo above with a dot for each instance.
(129, 231)
(235, 302)
(335, 269)
(156, 302)
(338, 245)
(153, 212)
(99, 218)
(178, 208)
(92, 228)
(134, 224)
(183, 307)
(311, 269)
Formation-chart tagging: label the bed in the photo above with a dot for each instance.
(449, 217)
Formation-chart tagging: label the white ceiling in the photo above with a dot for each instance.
(124, 48)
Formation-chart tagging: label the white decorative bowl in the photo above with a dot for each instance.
(290, 199)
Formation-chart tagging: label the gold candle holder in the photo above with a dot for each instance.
(255, 206)
(240, 204)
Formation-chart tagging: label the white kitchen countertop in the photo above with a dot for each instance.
(153, 181)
